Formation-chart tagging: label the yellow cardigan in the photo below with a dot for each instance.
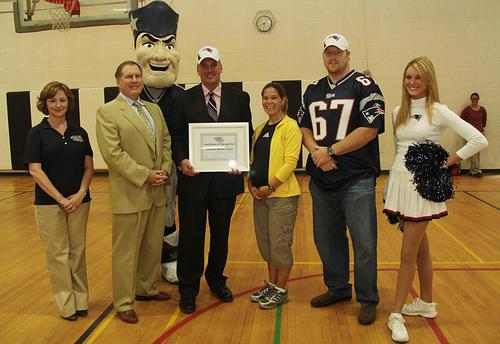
(283, 155)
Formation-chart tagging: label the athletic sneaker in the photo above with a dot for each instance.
(274, 300)
(422, 308)
(266, 290)
(169, 272)
(397, 326)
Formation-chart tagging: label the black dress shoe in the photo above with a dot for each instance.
(187, 305)
(82, 313)
(71, 317)
(223, 294)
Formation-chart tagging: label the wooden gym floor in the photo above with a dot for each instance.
(465, 246)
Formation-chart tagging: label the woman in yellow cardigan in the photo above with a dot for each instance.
(275, 151)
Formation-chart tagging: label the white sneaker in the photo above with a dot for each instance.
(397, 326)
(172, 239)
(422, 308)
(264, 292)
(274, 300)
(169, 272)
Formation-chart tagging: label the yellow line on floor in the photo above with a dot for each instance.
(173, 318)
(100, 328)
(468, 250)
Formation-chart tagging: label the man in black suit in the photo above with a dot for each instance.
(212, 192)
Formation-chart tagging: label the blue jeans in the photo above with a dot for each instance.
(334, 211)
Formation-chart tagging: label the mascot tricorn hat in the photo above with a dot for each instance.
(157, 18)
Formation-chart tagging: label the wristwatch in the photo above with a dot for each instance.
(330, 151)
(271, 187)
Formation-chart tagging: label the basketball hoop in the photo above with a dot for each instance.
(61, 16)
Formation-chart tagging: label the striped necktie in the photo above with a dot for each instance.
(145, 120)
(212, 107)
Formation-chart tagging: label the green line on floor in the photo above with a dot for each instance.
(277, 326)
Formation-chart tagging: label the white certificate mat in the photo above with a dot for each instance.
(219, 147)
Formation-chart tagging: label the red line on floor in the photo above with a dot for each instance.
(432, 323)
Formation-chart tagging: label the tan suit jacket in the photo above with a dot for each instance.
(129, 152)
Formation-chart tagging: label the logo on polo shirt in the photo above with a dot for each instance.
(76, 138)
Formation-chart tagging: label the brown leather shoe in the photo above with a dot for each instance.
(367, 314)
(161, 296)
(128, 316)
(327, 299)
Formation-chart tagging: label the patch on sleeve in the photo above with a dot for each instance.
(300, 114)
(373, 112)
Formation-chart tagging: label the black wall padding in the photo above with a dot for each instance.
(74, 115)
(110, 93)
(19, 117)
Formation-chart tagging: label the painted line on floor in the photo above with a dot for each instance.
(432, 323)
(481, 200)
(467, 249)
(98, 326)
(277, 325)
(475, 262)
(173, 318)
(12, 196)
(437, 331)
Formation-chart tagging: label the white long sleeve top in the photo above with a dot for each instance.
(418, 129)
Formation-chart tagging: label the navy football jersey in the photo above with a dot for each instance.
(332, 111)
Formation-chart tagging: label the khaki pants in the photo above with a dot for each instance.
(274, 220)
(137, 242)
(63, 236)
(475, 167)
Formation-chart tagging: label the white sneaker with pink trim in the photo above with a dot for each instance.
(422, 308)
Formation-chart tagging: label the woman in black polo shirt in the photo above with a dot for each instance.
(60, 160)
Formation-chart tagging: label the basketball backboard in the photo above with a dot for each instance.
(34, 15)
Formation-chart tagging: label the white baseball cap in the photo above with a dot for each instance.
(337, 40)
(208, 53)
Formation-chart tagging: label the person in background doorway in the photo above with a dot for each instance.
(475, 115)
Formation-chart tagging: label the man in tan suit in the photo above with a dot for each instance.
(135, 143)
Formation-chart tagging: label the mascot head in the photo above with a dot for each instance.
(155, 30)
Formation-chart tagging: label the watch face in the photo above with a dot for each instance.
(264, 23)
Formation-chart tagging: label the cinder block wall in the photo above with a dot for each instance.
(461, 37)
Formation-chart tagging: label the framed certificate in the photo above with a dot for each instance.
(219, 147)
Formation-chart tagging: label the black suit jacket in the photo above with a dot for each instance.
(190, 107)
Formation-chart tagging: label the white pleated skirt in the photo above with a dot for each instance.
(403, 200)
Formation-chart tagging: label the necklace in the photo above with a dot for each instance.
(154, 94)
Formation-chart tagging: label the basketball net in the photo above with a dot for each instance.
(61, 16)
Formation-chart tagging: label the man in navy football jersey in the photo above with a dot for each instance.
(340, 118)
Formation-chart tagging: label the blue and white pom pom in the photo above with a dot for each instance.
(426, 160)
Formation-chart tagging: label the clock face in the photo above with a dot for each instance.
(264, 23)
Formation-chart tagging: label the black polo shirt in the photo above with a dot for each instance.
(62, 158)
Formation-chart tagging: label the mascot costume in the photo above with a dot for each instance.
(155, 28)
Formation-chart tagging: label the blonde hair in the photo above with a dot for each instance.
(425, 69)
